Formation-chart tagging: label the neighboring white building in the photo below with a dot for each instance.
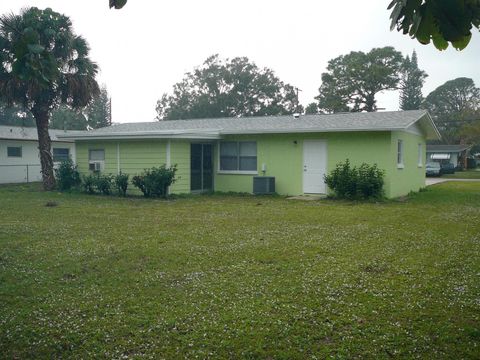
(19, 158)
(454, 154)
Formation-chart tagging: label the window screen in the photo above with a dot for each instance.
(60, 154)
(14, 151)
(96, 155)
(238, 156)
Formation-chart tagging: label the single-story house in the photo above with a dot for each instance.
(19, 158)
(454, 154)
(224, 154)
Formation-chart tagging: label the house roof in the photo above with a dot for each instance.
(30, 133)
(447, 148)
(215, 128)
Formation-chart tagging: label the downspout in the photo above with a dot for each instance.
(118, 158)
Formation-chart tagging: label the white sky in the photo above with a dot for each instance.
(147, 46)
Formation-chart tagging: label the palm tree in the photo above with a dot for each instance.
(44, 64)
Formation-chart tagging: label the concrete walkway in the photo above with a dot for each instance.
(433, 181)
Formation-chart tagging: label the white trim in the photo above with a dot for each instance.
(400, 166)
(218, 135)
(168, 153)
(118, 158)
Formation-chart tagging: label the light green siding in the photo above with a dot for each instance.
(180, 155)
(282, 155)
(136, 155)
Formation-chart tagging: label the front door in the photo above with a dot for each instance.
(201, 167)
(314, 166)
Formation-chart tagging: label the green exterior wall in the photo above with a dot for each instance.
(412, 176)
(284, 159)
(282, 155)
(136, 155)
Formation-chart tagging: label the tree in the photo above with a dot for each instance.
(227, 88)
(411, 83)
(99, 111)
(311, 108)
(15, 116)
(454, 105)
(44, 64)
(438, 21)
(67, 119)
(117, 4)
(352, 81)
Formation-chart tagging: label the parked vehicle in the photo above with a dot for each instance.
(447, 168)
(433, 169)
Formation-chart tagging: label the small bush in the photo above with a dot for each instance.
(88, 183)
(67, 176)
(348, 182)
(121, 183)
(103, 183)
(155, 181)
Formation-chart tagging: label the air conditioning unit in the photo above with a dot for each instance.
(95, 166)
(263, 185)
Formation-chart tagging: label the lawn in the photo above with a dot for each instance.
(240, 277)
(468, 174)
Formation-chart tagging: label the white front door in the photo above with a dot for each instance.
(314, 166)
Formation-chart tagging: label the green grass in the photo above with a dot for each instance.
(468, 174)
(240, 277)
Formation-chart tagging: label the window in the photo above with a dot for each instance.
(14, 151)
(238, 156)
(60, 154)
(420, 155)
(96, 155)
(400, 154)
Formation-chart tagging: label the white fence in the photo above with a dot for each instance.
(10, 174)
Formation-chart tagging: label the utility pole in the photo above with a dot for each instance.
(297, 110)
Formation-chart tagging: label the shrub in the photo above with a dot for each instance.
(155, 181)
(67, 175)
(103, 183)
(121, 183)
(343, 180)
(348, 182)
(88, 183)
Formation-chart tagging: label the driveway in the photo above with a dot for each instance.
(433, 180)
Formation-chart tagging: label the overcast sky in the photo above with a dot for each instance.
(146, 47)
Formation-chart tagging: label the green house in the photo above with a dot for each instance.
(225, 154)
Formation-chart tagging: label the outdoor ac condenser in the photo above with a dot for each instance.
(263, 185)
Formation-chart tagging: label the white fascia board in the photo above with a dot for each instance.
(435, 135)
(307, 130)
(119, 136)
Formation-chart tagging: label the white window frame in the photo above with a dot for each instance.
(15, 147)
(238, 172)
(420, 155)
(102, 162)
(400, 154)
(60, 148)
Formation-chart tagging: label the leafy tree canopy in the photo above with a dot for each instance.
(228, 88)
(117, 4)
(44, 64)
(454, 105)
(440, 21)
(411, 84)
(352, 81)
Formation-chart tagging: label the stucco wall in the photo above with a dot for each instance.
(283, 157)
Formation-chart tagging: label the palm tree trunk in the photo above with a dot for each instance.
(44, 148)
